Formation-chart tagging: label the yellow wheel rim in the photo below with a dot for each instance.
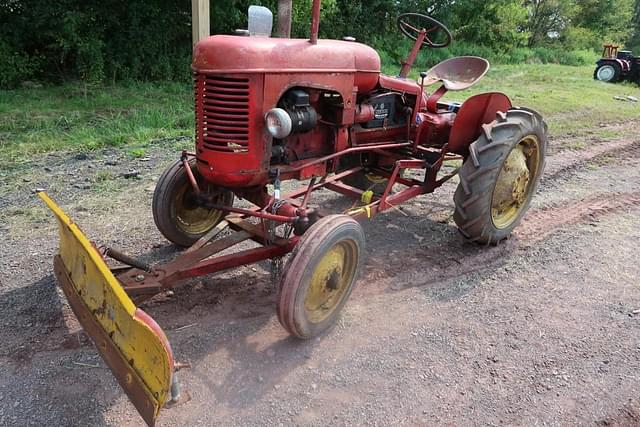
(515, 182)
(331, 280)
(193, 218)
(375, 179)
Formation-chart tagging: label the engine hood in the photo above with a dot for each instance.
(236, 54)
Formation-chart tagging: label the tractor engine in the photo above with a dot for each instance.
(383, 110)
(305, 123)
(290, 121)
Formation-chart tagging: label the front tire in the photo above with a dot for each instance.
(500, 176)
(320, 275)
(175, 210)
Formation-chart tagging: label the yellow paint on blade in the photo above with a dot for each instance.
(132, 344)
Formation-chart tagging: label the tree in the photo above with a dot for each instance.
(548, 19)
(634, 39)
(108, 40)
(498, 24)
(607, 21)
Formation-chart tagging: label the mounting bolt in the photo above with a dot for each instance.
(140, 278)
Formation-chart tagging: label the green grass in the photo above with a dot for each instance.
(572, 103)
(76, 118)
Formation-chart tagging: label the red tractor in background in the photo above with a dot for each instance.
(313, 111)
(616, 66)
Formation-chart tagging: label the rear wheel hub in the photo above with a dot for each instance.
(513, 186)
(606, 73)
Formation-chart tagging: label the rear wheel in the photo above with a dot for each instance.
(176, 212)
(500, 176)
(609, 72)
(320, 276)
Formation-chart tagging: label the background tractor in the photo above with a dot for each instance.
(616, 66)
(321, 113)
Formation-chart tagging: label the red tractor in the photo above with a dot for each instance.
(616, 66)
(318, 112)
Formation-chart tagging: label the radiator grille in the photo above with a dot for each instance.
(222, 113)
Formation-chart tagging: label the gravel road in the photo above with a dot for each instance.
(543, 329)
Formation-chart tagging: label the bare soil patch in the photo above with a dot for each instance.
(541, 329)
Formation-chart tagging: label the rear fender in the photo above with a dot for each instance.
(624, 65)
(476, 111)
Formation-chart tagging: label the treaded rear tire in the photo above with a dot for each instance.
(480, 171)
(617, 72)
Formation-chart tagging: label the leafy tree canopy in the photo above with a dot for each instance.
(108, 40)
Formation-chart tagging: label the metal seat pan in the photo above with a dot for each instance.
(458, 73)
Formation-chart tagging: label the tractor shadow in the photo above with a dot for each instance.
(231, 316)
(31, 314)
(409, 251)
(225, 325)
(51, 373)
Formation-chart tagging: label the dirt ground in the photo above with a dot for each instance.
(543, 329)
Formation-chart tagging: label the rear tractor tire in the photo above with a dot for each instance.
(500, 176)
(175, 210)
(608, 72)
(320, 275)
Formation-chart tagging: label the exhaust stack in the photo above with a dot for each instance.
(315, 21)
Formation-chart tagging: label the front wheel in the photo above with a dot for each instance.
(320, 275)
(176, 211)
(500, 176)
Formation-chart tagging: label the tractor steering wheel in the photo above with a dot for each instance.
(412, 24)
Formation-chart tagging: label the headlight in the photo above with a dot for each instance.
(278, 123)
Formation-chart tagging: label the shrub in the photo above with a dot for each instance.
(429, 57)
(15, 67)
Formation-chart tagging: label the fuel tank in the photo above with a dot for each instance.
(237, 54)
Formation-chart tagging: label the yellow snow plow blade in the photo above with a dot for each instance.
(129, 341)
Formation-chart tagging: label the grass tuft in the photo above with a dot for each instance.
(79, 118)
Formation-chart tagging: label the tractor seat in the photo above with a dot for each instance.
(458, 73)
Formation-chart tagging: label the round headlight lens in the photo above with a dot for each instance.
(278, 123)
